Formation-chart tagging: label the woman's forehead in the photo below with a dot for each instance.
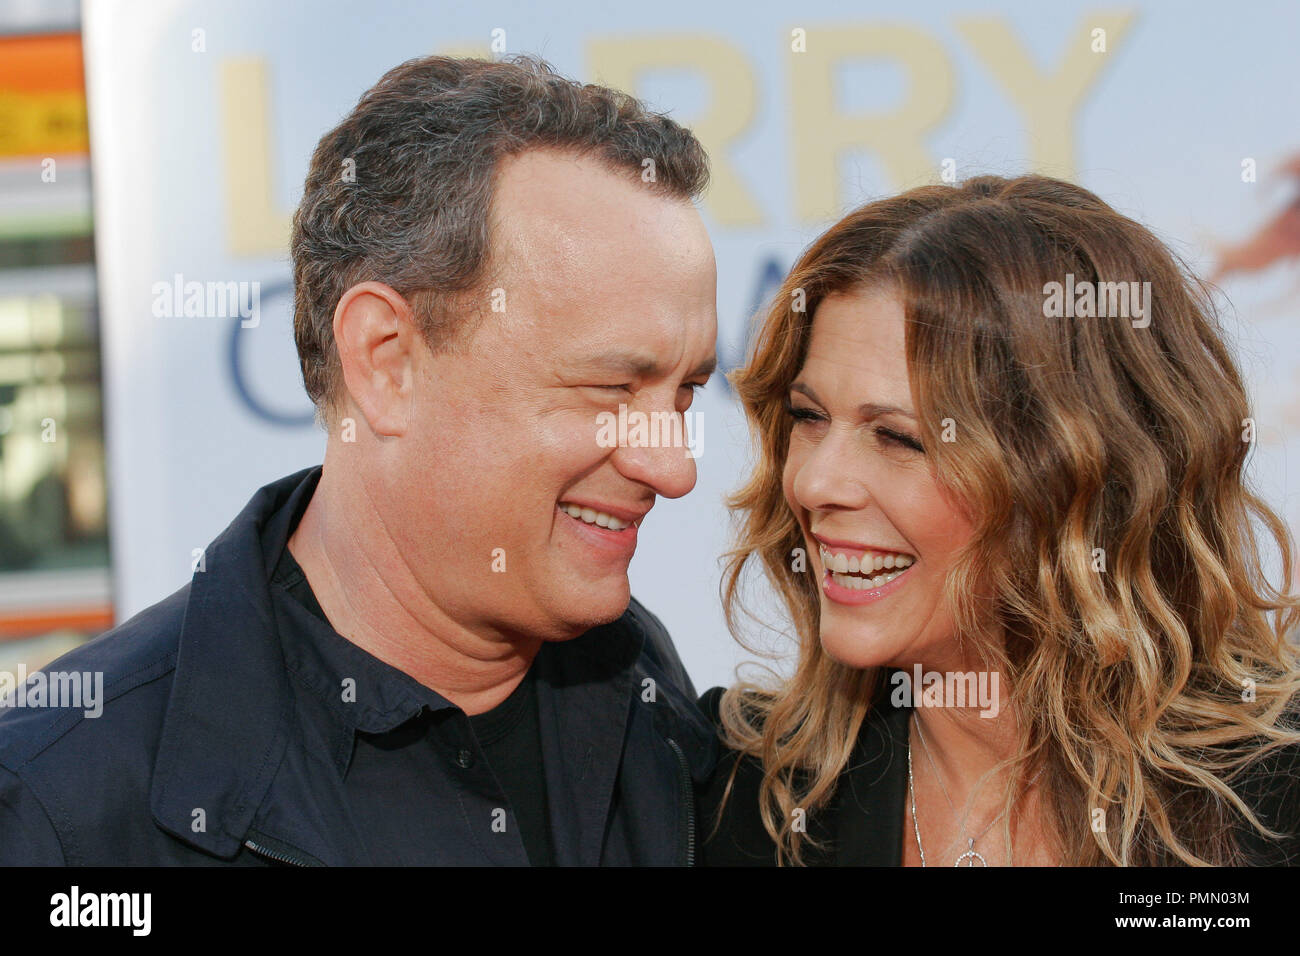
(857, 340)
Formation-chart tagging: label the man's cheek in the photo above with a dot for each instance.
(573, 435)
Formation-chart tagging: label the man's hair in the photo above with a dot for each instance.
(400, 192)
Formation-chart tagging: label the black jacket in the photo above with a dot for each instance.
(864, 822)
(861, 826)
(199, 712)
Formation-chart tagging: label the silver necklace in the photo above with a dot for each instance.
(970, 853)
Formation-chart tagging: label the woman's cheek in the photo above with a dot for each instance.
(788, 474)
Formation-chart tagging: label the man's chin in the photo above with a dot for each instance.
(593, 605)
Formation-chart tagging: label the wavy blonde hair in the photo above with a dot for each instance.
(1130, 687)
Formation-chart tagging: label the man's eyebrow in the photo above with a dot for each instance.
(637, 364)
(705, 368)
(868, 411)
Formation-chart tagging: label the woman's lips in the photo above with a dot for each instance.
(847, 593)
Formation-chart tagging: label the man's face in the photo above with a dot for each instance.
(607, 296)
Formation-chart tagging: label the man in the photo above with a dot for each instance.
(424, 651)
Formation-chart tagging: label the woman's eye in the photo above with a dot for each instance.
(899, 438)
(800, 414)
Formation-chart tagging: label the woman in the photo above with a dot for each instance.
(985, 464)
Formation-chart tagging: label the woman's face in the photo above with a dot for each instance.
(880, 536)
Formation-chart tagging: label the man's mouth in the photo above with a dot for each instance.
(601, 519)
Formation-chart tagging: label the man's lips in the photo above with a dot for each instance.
(603, 515)
(616, 540)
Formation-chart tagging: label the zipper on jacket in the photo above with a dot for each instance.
(688, 797)
(280, 853)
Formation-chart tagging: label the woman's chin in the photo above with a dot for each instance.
(858, 650)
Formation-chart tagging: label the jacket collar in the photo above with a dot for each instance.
(588, 689)
(227, 722)
(584, 697)
(870, 820)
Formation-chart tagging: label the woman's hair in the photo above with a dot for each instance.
(1145, 687)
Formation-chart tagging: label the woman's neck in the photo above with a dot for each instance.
(961, 757)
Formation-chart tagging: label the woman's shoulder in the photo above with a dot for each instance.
(711, 703)
(747, 767)
(732, 831)
(730, 804)
(1271, 788)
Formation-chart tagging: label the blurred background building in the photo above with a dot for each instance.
(54, 564)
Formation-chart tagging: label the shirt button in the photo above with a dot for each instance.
(464, 759)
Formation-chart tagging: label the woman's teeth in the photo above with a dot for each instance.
(591, 516)
(867, 571)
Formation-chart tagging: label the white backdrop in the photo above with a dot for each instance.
(204, 115)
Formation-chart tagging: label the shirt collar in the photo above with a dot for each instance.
(359, 691)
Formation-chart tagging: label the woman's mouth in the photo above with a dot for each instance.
(863, 576)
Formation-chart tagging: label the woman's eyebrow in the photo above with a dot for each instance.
(868, 411)
(872, 410)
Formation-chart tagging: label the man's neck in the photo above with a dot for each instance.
(372, 598)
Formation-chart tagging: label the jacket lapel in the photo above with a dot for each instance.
(870, 825)
(584, 699)
(226, 727)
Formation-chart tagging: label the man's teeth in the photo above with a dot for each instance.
(867, 571)
(591, 516)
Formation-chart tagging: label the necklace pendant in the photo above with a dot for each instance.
(972, 855)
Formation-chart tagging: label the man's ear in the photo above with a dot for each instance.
(374, 334)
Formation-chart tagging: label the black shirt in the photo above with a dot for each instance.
(508, 734)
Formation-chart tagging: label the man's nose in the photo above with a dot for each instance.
(664, 464)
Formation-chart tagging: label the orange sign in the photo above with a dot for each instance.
(42, 96)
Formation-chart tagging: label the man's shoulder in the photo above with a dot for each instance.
(79, 741)
(101, 694)
(661, 679)
(658, 645)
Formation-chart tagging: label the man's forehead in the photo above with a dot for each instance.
(549, 189)
(603, 262)
(556, 211)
